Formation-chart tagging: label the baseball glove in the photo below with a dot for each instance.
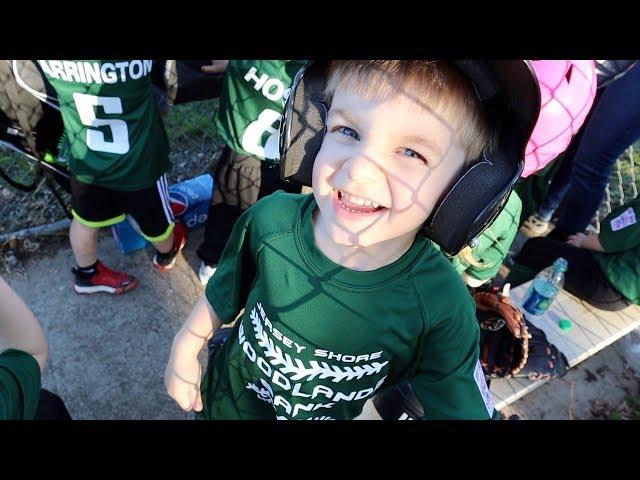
(510, 346)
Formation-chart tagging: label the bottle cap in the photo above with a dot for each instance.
(565, 324)
(561, 264)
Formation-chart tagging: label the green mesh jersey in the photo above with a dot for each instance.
(111, 120)
(251, 104)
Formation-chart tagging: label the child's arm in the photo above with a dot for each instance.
(227, 290)
(589, 242)
(619, 231)
(182, 375)
(19, 328)
(448, 380)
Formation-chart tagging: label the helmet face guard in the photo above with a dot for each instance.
(509, 92)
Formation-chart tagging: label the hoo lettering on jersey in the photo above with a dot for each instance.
(272, 88)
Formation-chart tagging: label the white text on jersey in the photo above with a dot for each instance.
(93, 72)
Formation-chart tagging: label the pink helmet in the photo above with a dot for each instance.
(567, 89)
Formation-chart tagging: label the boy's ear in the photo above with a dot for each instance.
(303, 125)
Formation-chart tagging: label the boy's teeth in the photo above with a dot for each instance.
(360, 201)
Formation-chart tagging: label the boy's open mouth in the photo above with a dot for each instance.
(354, 204)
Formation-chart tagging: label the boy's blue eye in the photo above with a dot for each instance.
(349, 132)
(412, 153)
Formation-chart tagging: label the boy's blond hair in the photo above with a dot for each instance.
(435, 84)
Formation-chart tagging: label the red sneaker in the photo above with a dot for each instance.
(167, 261)
(104, 280)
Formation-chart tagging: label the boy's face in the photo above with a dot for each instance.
(381, 168)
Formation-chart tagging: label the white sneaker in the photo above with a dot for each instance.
(535, 225)
(205, 273)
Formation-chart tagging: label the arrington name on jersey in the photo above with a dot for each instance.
(95, 72)
(111, 120)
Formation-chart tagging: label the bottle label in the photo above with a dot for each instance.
(535, 303)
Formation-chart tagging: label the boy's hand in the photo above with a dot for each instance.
(182, 377)
(588, 242)
(217, 66)
(577, 240)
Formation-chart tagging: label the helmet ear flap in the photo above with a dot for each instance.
(473, 202)
(303, 125)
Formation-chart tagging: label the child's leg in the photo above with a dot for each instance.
(240, 181)
(613, 125)
(237, 187)
(150, 208)
(93, 208)
(167, 249)
(538, 223)
(84, 243)
(164, 246)
(557, 190)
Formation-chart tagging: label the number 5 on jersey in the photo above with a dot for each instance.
(86, 104)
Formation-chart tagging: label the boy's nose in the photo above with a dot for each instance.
(363, 167)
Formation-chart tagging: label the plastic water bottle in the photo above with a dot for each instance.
(545, 287)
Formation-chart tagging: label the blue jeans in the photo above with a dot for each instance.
(613, 125)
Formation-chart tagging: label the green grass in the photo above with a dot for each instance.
(193, 121)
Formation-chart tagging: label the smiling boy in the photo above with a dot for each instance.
(342, 296)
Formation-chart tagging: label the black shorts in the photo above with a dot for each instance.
(150, 208)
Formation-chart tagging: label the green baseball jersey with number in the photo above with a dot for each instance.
(251, 104)
(620, 238)
(111, 121)
(19, 385)
(316, 340)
